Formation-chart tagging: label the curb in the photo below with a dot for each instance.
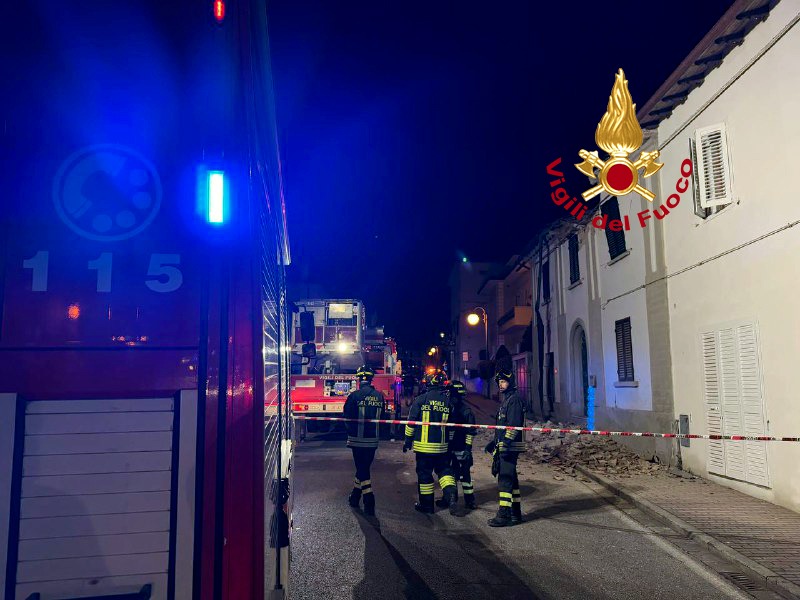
(769, 578)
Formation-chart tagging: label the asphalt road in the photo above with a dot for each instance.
(573, 544)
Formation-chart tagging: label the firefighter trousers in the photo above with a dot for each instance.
(508, 482)
(461, 472)
(426, 465)
(363, 457)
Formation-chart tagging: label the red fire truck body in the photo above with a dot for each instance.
(321, 386)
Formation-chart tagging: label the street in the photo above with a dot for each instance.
(573, 543)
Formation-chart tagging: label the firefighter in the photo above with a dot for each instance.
(429, 442)
(362, 438)
(460, 444)
(506, 447)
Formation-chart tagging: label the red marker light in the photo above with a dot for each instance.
(219, 10)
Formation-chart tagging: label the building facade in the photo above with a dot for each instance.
(731, 250)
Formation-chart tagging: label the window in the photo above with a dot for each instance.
(698, 208)
(574, 263)
(713, 169)
(546, 282)
(616, 239)
(622, 328)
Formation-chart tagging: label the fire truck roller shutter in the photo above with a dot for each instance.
(103, 496)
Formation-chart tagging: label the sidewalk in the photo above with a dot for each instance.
(761, 537)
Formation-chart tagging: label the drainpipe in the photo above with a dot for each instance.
(539, 328)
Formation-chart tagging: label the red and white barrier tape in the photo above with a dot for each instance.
(680, 436)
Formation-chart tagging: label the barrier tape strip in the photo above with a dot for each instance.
(679, 436)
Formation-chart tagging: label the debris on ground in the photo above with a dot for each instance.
(564, 451)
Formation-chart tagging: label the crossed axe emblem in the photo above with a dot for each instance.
(618, 175)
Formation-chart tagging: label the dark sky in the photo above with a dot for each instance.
(412, 132)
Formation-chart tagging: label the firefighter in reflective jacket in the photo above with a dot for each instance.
(506, 446)
(460, 443)
(430, 443)
(362, 438)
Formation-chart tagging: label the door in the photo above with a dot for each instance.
(580, 370)
(734, 402)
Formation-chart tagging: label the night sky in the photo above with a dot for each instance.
(417, 132)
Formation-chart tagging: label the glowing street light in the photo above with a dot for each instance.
(434, 350)
(473, 319)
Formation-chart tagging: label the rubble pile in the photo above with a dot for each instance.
(604, 455)
(562, 452)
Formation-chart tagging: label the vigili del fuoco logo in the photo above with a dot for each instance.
(619, 134)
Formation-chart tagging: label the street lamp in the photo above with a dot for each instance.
(473, 319)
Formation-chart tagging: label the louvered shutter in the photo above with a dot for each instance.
(731, 403)
(713, 167)
(752, 405)
(574, 264)
(616, 239)
(716, 450)
(622, 329)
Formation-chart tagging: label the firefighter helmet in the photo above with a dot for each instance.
(365, 373)
(458, 387)
(438, 379)
(505, 374)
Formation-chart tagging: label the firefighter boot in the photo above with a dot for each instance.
(516, 513)
(451, 496)
(502, 519)
(369, 505)
(425, 504)
(354, 498)
(442, 502)
(469, 501)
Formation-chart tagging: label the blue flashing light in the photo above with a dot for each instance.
(216, 197)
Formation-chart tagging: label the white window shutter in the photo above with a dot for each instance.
(713, 166)
(716, 451)
(731, 403)
(752, 404)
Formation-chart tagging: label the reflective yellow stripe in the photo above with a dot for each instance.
(444, 420)
(468, 491)
(505, 495)
(367, 482)
(505, 503)
(447, 480)
(426, 486)
(409, 431)
(468, 440)
(426, 417)
(515, 492)
(432, 448)
(356, 483)
(511, 434)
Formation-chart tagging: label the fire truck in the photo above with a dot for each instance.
(330, 343)
(143, 318)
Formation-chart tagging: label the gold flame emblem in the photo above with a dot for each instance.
(619, 134)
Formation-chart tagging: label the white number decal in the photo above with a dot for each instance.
(163, 265)
(103, 266)
(38, 264)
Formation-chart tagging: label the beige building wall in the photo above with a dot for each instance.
(741, 265)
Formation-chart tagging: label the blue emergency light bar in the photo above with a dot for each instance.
(216, 197)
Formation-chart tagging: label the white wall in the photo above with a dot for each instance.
(759, 282)
(616, 279)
